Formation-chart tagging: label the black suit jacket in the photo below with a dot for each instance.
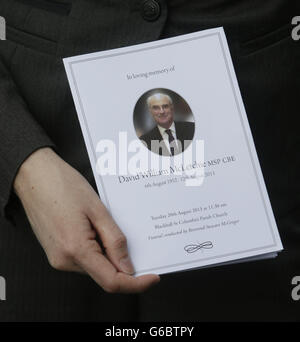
(36, 110)
(184, 133)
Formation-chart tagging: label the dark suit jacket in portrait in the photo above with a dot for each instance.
(184, 133)
(37, 110)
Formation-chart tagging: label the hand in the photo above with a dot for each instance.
(66, 216)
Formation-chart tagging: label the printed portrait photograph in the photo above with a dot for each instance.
(164, 122)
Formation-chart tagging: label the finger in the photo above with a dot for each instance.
(108, 277)
(66, 266)
(76, 268)
(130, 284)
(113, 239)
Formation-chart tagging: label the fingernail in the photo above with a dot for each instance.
(126, 265)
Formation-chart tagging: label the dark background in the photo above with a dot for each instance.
(36, 110)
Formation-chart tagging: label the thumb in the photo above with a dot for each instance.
(112, 238)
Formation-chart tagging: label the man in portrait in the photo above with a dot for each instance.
(168, 137)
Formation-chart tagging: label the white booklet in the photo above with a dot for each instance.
(172, 152)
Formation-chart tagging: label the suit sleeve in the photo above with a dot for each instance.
(20, 135)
